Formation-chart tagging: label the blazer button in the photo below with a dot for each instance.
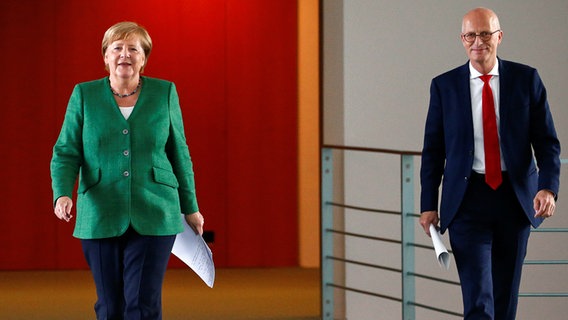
(126, 173)
(125, 131)
(125, 153)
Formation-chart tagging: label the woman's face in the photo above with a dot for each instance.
(125, 58)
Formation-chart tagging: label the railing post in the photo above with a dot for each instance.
(407, 237)
(326, 236)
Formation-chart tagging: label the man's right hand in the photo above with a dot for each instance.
(427, 218)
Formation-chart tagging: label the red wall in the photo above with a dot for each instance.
(234, 63)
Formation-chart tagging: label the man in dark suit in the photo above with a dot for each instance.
(488, 122)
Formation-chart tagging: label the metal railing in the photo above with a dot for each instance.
(407, 242)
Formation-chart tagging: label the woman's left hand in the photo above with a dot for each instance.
(196, 222)
(63, 207)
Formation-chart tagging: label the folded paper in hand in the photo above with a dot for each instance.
(190, 248)
(442, 254)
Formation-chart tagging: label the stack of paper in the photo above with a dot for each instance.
(442, 254)
(190, 248)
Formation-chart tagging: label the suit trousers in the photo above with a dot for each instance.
(489, 237)
(128, 272)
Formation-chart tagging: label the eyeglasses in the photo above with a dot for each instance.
(484, 36)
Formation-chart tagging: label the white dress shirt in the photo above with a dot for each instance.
(476, 88)
(126, 111)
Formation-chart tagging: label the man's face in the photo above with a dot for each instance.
(481, 51)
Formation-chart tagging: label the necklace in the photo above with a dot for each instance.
(125, 95)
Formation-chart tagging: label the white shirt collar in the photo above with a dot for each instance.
(473, 73)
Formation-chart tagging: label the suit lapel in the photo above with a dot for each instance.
(504, 93)
(465, 100)
(109, 98)
(141, 98)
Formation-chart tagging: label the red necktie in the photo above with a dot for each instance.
(490, 137)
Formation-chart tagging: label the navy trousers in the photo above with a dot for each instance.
(129, 273)
(489, 237)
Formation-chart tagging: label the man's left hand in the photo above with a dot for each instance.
(544, 204)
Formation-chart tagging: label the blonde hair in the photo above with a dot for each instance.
(124, 30)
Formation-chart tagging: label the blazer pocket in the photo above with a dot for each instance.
(89, 179)
(165, 177)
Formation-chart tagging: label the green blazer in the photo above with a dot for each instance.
(135, 172)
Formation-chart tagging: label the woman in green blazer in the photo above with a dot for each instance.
(123, 136)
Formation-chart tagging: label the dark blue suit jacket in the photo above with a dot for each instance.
(526, 125)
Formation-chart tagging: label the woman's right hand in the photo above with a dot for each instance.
(63, 207)
(196, 222)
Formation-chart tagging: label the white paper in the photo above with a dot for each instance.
(442, 254)
(190, 248)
